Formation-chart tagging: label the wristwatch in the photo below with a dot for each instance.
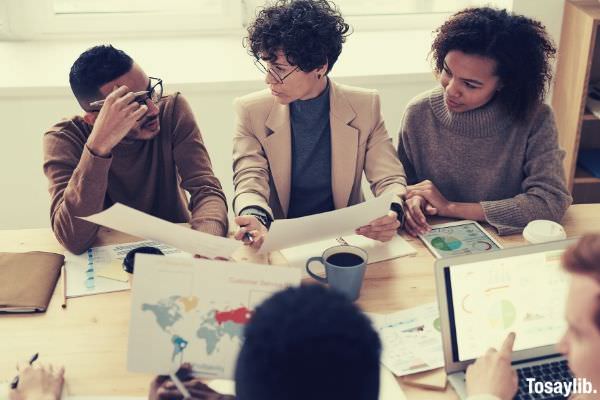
(261, 215)
(399, 209)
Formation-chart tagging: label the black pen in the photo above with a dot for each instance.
(15, 381)
(248, 236)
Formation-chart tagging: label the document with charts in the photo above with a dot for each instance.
(411, 338)
(100, 269)
(193, 310)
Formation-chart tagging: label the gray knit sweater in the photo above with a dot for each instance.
(514, 170)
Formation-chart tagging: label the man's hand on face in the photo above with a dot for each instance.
(118, 115)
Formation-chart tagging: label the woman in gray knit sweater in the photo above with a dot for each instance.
(483, 145)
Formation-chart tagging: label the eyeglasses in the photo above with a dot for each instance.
(267, 70)
(154, 92)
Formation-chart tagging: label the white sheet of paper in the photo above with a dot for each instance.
(411, 339)
(103, 258)
(285, 233)
(377, 251)
(137, 223)
(192, 310)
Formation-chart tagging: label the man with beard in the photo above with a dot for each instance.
(132, 146)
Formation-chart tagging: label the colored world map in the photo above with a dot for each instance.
(210, 326)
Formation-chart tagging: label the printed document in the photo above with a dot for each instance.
(137, 223)
(412, 339)
(195, 311)
(285, 233)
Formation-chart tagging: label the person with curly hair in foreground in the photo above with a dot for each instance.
(301, 146)
(483, 145)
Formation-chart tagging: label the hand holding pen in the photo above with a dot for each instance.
(37, 381)
(15, 381)
(252, 232)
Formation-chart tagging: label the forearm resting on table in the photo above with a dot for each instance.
(472, 211)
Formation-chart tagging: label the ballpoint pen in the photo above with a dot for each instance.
(248, 236)
(15, 381)
(101, 102)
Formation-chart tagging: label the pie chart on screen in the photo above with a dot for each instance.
(446, 243)
(502, 314)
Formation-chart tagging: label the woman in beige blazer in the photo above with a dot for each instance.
(301, 146)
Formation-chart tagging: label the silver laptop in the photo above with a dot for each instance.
(482, 297)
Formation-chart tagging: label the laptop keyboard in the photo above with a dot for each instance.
(557, 371)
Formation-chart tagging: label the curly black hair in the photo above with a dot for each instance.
(95, 67)
(520, 46)
(309, 32)
(308, 342)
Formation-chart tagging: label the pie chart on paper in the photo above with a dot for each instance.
(446, 243)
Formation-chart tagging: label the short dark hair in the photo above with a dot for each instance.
(308, 343)
(309, 32)
(95, 67)
(520, 46)
(584, 258)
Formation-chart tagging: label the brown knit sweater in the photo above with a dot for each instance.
(513, 169)
(147, 175)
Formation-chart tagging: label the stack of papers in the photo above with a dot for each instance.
(411, 339)
(99, 270)
(377, 251)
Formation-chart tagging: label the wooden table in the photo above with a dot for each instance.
(90, 336)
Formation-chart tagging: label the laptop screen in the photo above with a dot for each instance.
(488, 299)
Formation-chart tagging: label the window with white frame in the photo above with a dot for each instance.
(60, 18)
(406, 14)
(201, 7)
(396, 7)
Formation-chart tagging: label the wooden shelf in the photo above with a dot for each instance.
(580, 40)
(584, 177)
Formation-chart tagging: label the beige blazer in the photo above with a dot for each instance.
(262, 150)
